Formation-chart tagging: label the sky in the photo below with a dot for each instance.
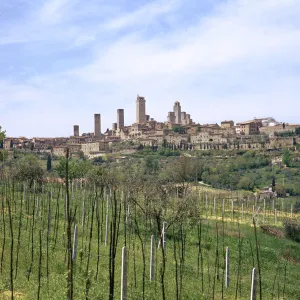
(62, 61)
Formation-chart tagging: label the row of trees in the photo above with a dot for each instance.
(247, 170)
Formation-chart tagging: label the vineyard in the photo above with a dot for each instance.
(78, 240)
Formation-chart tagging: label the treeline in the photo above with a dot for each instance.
(241, 170)
(288, 133)
(154, 150)
(234, 172)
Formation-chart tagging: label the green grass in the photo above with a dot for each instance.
(275, 254)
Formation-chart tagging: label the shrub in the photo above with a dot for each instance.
(292, 230)
(297, 207)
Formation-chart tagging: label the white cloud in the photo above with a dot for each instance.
(52, 11)
(239, 61)
(218, 41)
(144, 15)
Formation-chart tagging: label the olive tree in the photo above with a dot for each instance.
(28, 168)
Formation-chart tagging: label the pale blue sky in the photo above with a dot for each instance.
(61, 61)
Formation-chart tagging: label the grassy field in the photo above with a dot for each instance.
(33, 246)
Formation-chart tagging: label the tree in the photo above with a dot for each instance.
(165, 143)
(280, 190)
(246, 183)
(3, 154)
(181, 171)
(28, 168)
(179, 129)
(273, 184)
(81, 155)
(49, 163)
(151, 165)
(2, 134)
(297, 207)
(287, 157)
(78, 168)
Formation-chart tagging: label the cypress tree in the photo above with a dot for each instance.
(49, 163)
(273, 184)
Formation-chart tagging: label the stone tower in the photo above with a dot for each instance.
(76, 130)
(140, 110)
(171, 117)
(120, 118)
(97, 121)
(183, 117)
(177, 111)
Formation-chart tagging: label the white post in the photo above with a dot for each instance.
(242, 210)
(66, 207)
(164, 234)
(253, 285)
(264, 215)
(275, 216)
(37, 208)
(124, 274)
(83, 213)
(223, 207)
(106, 224)
(74, 252)
(152, 258)
(227, 268)
(214, 205)
(128, 214)
(49, 220)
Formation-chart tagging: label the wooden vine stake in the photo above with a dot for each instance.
(152, 258)
(227, 268)
(253, 285)
(74, 252)
(124, 274)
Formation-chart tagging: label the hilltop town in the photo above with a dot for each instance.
(178, 132)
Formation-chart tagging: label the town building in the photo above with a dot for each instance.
(248, 127)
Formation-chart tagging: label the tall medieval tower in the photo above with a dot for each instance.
(97, 125)
(76, 130)
(140, 110)
(177, 111)
(120, 118)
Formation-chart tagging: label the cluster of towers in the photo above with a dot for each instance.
(179, 117)
(97, 126)
(141, 118)
(120, 120)
(174, 117)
